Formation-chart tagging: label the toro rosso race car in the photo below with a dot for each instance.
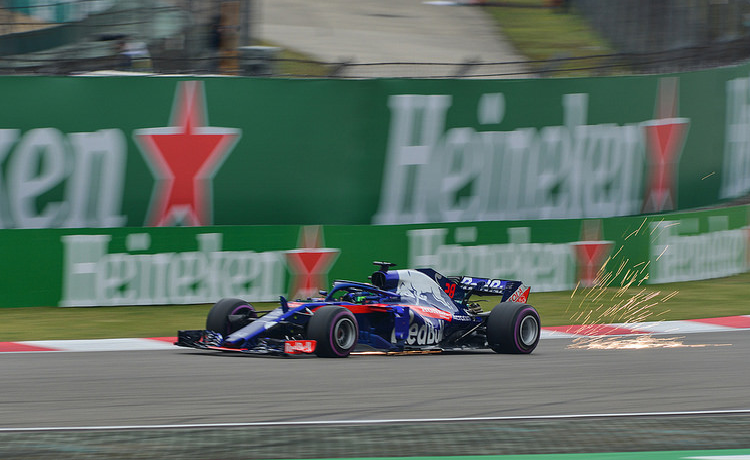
(400, 311)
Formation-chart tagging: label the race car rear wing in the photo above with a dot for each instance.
(510, 290)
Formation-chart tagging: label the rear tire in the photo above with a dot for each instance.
(229, 315)
(513, 328)
(335, 330)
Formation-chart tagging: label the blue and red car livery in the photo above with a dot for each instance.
(398, 311)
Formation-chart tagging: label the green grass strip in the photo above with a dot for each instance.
(542, 33)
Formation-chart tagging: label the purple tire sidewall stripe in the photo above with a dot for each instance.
(517, 329)
(332, 335)
(240, 308)
(237, 309)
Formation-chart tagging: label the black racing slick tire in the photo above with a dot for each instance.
(335, 330)
(229, 315)
(513, 328)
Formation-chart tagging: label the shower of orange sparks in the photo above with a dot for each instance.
(635, 343)
(593, 309)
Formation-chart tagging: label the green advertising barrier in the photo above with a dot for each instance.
(188, 265)
(79, 152)
(51, 11)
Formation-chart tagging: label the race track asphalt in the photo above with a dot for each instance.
(182, 386)
(378, 31)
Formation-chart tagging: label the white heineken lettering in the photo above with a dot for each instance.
(97, 180)
(735, 180)
(545, 266)
(461, 174)
(92, 276)
(89, 168)
(37, 165)
(714, 254)
(410, 145)
(7, 138)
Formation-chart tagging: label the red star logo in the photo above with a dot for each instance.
(310, 263)
(591, 253)
(665, 136)
(184, 158)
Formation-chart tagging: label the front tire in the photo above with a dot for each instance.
(335, 330)
(229, 315)
(513, 328)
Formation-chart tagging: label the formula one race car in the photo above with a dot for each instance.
(400, 311)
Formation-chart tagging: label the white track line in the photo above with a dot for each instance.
(101, 344)
(675, 327)
(381, 421)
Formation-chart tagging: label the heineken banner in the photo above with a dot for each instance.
(96, 152)
(188, 265)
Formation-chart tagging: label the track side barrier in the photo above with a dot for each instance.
(190, 265)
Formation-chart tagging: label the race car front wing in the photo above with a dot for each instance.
(209, 340)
